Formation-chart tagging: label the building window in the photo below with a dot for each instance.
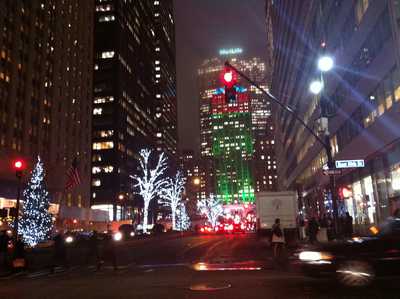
(107, 54)
(96, 183)
(106, 18)
(103, 134)
(103, 145)
(102, 100)
(104, 7)
(97, 111)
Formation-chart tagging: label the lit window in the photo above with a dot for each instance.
(158, 76)
(97, 111)
(157, 62)
(157, 68)
(96, 183)
(103, 145)
(96, 169)
(96, 67)
(156, 14)
(102, 134)
(107, 54)
(159, 135)
(101, 100)
(107, 18)
(158, 96)
(158, 49)
(104, 7)
(156, 2)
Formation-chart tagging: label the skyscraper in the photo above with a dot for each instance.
(261, 146)
(134, 103)
(45, 92)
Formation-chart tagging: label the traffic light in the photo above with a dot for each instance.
(229, 81)
(19, 166)
(345, 192)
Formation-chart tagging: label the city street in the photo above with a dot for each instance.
(169, 268)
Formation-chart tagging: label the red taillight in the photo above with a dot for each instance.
(202, 229)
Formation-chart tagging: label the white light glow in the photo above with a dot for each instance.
(316, 87)
(325, 63)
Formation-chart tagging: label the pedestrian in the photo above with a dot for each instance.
(19, 258)
(60, 252)
(109, 252)
(93, 249)
(348, 225)
(4, 240)
(312, 230)
(277, 240)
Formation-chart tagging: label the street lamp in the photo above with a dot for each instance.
(325, 63)
(316, 87)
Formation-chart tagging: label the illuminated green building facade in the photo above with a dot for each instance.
(232, 148)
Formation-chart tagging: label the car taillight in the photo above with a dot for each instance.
(202, 229)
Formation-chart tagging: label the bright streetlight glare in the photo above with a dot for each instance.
(228, 76)
(316, 87)
(325, 63)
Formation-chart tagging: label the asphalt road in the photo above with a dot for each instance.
(231, 267)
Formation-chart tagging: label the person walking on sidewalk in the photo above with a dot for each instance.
(348, 225)
(109, 252)
(4, 239)
(60, 252)
(278, 240)
(93, 249)
(313, 230)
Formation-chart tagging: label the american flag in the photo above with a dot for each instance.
(73, 178)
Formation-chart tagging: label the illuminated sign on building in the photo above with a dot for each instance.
(230, 51)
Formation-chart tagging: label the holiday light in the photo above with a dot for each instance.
(171, 195)
(211, 207)
(150, 183)
(36, 222)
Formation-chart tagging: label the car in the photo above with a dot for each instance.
(127, 231)
(357, 261)
(206, 229)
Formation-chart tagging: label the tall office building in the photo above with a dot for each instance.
(165, 72)
(134, 103)
(363, 90)
(263, 170)
(45, 93)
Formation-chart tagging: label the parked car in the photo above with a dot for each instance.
(357, 261)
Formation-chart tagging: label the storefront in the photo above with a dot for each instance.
(373, 191)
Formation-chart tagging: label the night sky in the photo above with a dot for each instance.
(202, 28)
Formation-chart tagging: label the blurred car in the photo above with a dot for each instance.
(357, 261)
(220, 228)
(205, 229)
(127, 231)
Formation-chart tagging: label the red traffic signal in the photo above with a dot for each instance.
(345, 192)
(228, 77)
(19, 165)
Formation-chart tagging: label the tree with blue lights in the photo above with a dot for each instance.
(182, 218)
(36, 222)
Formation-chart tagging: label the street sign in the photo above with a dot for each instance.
(332, 171)
(349, 163)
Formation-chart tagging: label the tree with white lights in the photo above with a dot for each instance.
(211, 207)
(172, 195)
(182, 218)
(36, 223)
(150, 182)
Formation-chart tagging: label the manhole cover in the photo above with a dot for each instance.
(209, 286)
